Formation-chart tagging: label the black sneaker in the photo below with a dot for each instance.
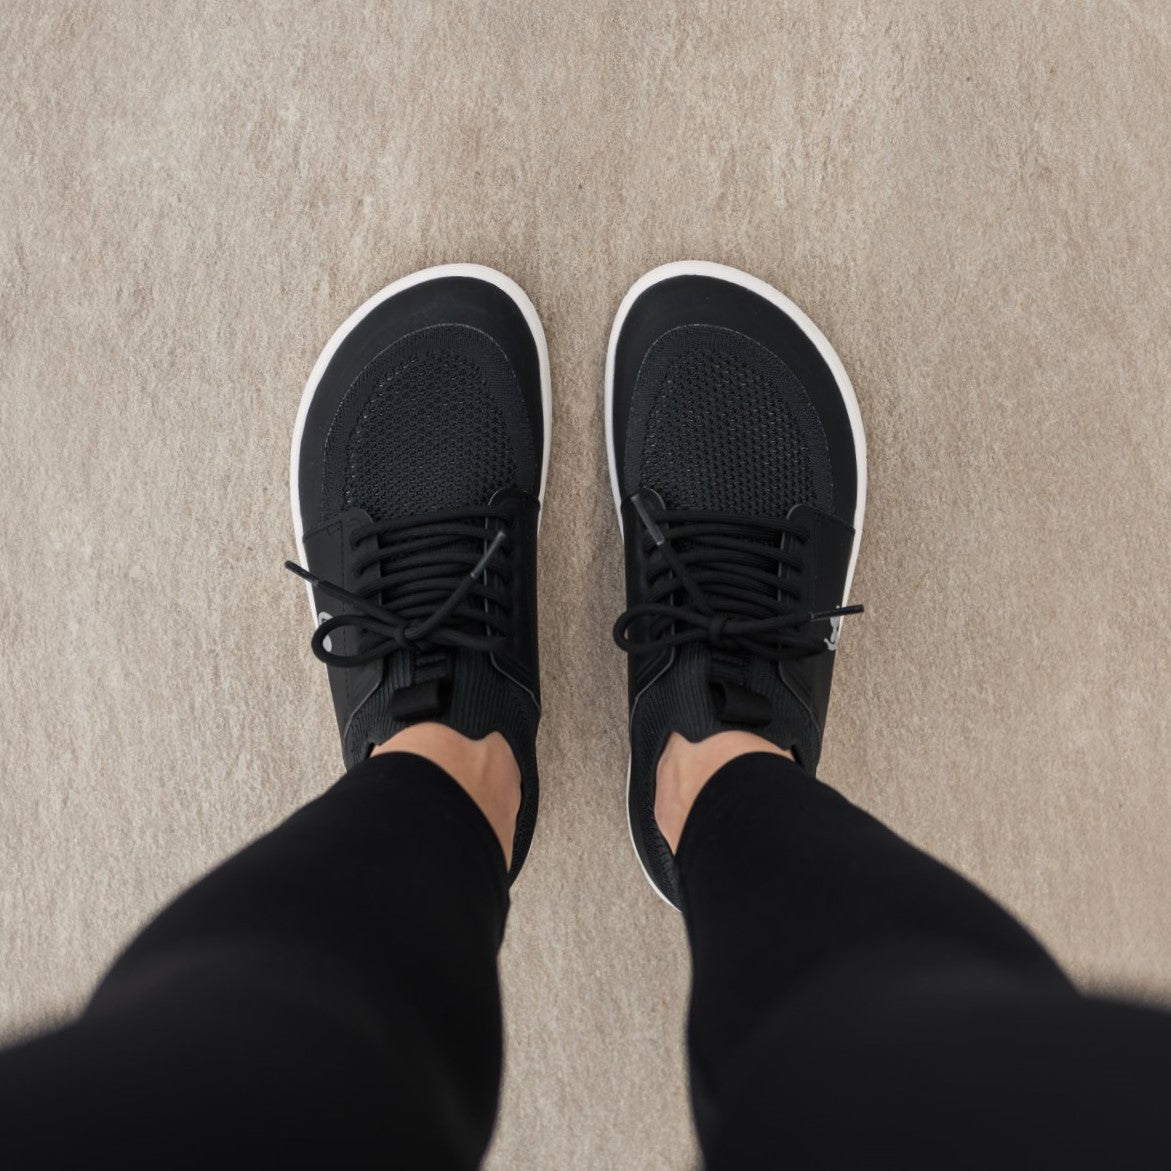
(419, 460)
(739, 471)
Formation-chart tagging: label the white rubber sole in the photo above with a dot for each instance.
(476, 271)
(734, 276)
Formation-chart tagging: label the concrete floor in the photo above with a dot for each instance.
(970, 200)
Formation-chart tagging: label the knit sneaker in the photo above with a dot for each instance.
(738, 465)
(418, 467)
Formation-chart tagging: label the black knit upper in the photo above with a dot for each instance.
(716, 424)
(425, 447)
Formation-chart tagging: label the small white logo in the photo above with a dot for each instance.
(835, 633)
(327, 642)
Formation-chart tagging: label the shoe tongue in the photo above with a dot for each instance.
(741, 686)
(769, 543)
(420, 677)
(764, 557)
(437, 554)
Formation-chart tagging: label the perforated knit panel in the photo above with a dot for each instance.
(721, 435)
(395, 466)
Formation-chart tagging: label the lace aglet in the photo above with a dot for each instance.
(836, 612)
(311, 578)
(656, 533)
(482, 564)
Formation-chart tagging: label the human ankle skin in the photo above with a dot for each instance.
(485, 769)
(684, 768)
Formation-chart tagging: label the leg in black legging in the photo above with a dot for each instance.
(855, 1003)
(332, 989)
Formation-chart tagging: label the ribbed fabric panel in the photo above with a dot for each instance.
(482, 701)
(680, 701)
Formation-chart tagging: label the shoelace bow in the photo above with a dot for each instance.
(432, 588)
(716, 578)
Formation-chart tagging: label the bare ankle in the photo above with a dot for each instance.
(684, 769)
(486, 769)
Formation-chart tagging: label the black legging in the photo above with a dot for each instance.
(331, 993)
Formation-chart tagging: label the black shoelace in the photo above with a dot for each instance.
(724, 580)
(432, 589)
